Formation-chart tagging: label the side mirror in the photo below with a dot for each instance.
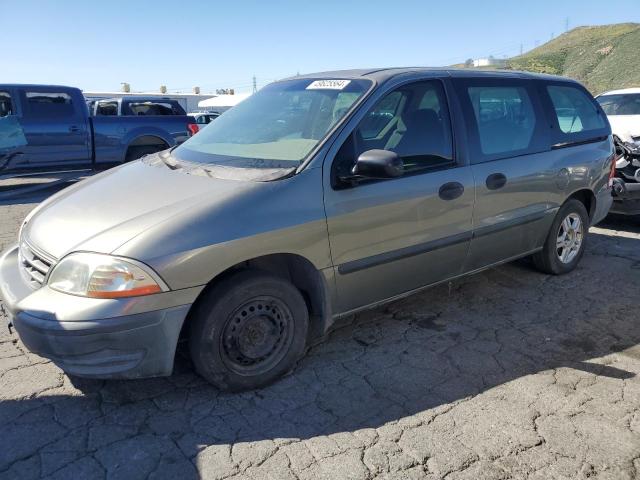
(378, 164)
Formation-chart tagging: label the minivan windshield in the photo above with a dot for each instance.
(277, 127)
(620, 104)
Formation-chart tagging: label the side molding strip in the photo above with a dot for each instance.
(516, 222)
(382, 258)
(375, 260)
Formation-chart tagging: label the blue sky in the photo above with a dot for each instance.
(96, 44)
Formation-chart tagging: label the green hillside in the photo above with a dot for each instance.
(603, 58)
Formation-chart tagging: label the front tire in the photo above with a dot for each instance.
(566, 240)
(248, 331)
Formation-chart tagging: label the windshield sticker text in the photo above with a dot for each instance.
(328, 84)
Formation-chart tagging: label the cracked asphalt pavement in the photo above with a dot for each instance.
(506, 374)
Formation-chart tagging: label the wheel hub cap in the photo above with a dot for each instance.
(258, 337)
(569, 239)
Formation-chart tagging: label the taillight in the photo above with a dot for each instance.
(612, 172)
(193, 129)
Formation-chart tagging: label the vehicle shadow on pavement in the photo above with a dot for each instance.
(408, 361)
(622, 223)
(30, 191)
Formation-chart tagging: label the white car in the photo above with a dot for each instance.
(623, 111)
(204, 118)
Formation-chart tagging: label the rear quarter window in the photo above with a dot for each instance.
(49, 104)
(575, 115)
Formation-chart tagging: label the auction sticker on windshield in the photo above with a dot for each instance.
(328, 84)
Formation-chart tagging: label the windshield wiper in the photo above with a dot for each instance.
(172, 166)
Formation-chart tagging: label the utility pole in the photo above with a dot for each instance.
(255, 85)
(566, 24)
(521, 48)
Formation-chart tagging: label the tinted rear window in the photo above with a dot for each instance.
(49, 104)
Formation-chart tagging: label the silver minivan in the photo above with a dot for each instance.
(316, 197)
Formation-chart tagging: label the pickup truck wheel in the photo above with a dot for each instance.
(566, 240)
(134, 153)
(248, 331)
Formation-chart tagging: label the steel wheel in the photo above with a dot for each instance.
(569, 238)
(257, 336)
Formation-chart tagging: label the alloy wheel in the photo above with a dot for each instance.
(569, 239)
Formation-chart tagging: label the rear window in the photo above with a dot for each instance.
(6, 107)
(155, 108)
(49, 104)
(620, 104)
(578, 116)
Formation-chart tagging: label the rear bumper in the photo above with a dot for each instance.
(123, 338)
(603, 204)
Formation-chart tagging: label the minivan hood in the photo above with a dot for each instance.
(107, 210)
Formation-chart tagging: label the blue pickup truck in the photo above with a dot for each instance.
(49, 127)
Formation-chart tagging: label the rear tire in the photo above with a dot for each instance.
(248, 331)
(566, 240)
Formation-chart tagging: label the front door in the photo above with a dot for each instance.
(55, 128)
(392, 236)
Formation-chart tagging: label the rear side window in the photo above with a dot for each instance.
(577, 114)
(107, 108)
(49, 104)
(155, 108)
(505, 118)
(6, 106)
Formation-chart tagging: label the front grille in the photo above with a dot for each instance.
(34, 264)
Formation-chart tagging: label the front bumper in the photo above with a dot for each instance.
(101, 338)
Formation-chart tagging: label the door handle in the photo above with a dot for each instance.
(74, 128)
(496, 181)
(451, 190)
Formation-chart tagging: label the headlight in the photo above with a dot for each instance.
(103, 276)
